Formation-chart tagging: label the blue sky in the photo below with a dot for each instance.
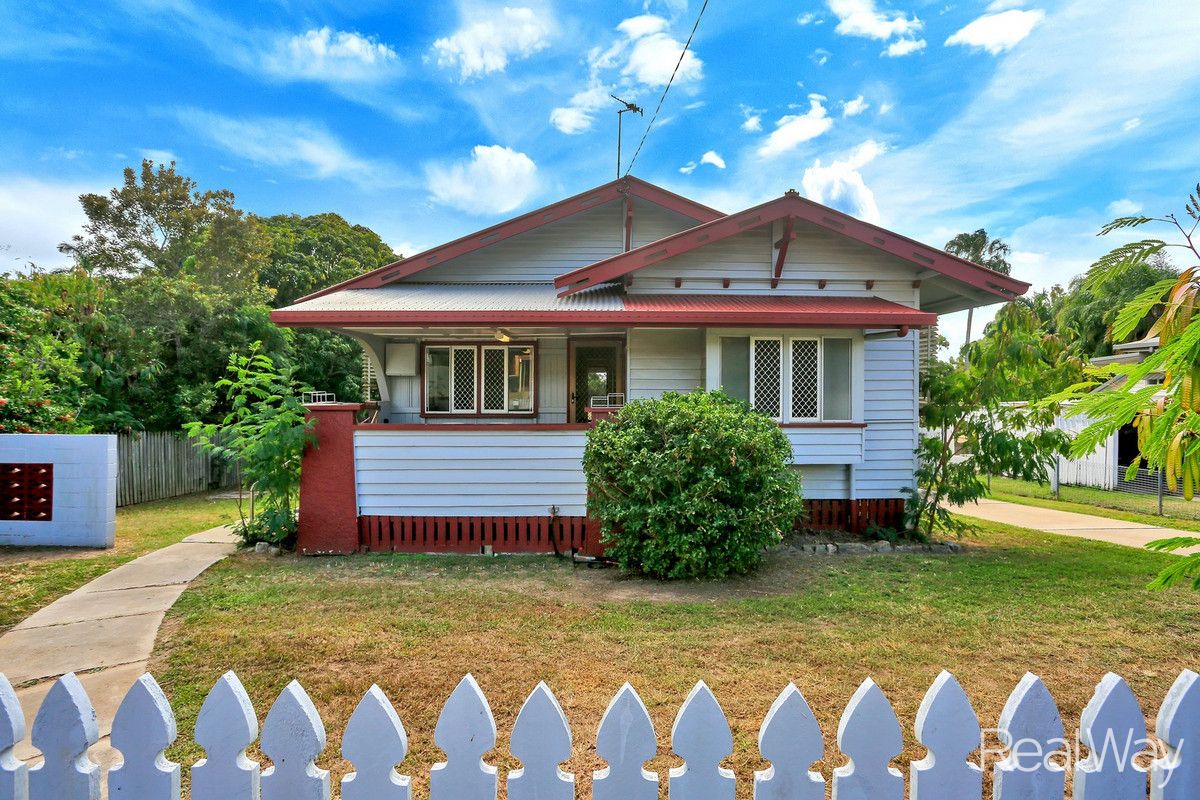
(1037, 120)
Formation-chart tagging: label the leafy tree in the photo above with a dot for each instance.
(979, 248)
(158, 221)
(310, 253)
(690, 485)
(1019, 358)
(266, 432)
(40, 386)
(972, 433)
(1087, 312)
(1167, 416)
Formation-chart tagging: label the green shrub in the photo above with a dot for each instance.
(690, 486)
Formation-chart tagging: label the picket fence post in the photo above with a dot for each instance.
(14, 775)
(869, 734)
(63, 730)
(1114, 730)
(374, 742)
(293, 737)
(465, 730)
(541, 741)
(791, 740)
(947, 726)
(701, 737)
(143, 728)
(225, 727)
(1176, 776)
(1112, 727)
(1032, 729)
(626, 741)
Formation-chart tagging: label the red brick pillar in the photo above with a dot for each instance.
(328, 500)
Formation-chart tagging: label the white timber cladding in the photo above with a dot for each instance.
(542, 254)
(890, 396)
(434, 472)
(748, 261)
(1122, 764)
(660, 361)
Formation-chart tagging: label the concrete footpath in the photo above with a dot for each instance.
(1069, 523)
(104, 631)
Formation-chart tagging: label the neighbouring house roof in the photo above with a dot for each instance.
(626, 187)
(792, 206)
(540, 304)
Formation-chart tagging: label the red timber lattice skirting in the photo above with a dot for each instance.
(472, 534)
(854, 515)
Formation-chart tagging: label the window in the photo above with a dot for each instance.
(809, 377)
(479, 379)
(766, 373)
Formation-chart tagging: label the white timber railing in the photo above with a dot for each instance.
(1112, 728)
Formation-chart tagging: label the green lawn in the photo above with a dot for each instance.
(33, 577)
(1177, 512)
(1014, 600)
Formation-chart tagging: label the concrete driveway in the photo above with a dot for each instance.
(1068, 523)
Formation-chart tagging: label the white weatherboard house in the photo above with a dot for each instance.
(493, 352)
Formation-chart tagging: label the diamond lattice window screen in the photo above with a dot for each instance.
(767, 377)
(806, 378)
(463, 368)
(494, 378)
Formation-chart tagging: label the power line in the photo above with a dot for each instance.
(657, 108)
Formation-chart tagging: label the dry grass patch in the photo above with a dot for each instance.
(1017, 600)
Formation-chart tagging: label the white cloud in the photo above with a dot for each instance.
(862, 18)
(1123, 208)
(840, 185)
(493, 180)
(712, 157)
(688, 168)
(794, 129)
(653, 59)
(1067, 93)
(1003, 5)
(852, 108)
(810, 18)
(1131, 124)
(886, 108)
(302, 147)
(996, 33)
(644, 56)
(904, 47)
(163, 157)
(576, 116)
(35, 217)
(820, 57)
(644, 25)
(328, 55)
(752, 123)
(498, 35)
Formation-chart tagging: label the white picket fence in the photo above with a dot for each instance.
(869, 736)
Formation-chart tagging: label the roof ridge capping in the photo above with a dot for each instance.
(792, 205)
(575, 204)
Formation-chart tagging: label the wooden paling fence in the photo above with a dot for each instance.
(156, 465)
(1112, 728)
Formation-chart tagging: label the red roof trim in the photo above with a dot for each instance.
(584, 201)
(649, 310)
(792, 204)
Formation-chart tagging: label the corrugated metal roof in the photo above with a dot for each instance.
(464, 297)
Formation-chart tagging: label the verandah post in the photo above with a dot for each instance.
(328, 502)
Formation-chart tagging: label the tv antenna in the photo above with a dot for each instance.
(635, 108)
